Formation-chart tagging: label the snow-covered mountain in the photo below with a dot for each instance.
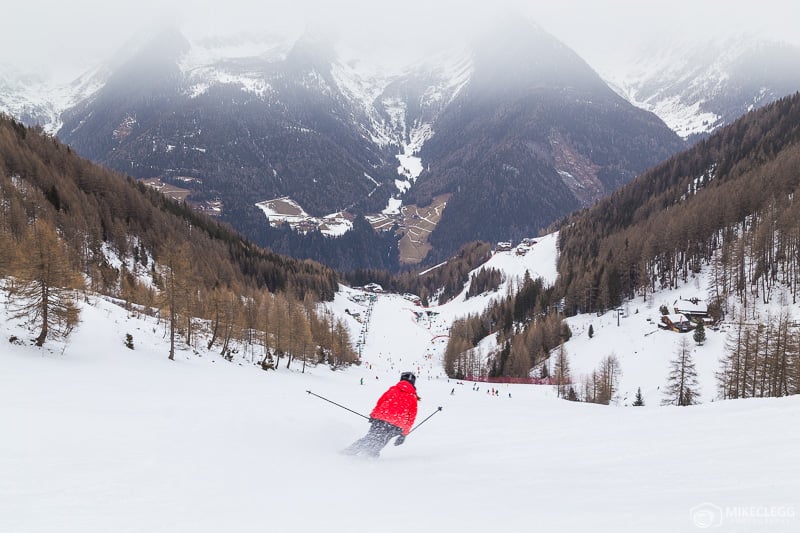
(38, 99)
(488, 128)
(697, 86)
(514, 125)
(268, 117)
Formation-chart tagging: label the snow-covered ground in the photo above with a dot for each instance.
(285, 210)
(98, 438)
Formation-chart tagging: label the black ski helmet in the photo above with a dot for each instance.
(408, 376)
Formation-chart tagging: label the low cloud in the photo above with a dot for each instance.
(49, 35)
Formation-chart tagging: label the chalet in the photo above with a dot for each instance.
(413, 298)
(693, 308)
(357, 316)
(373, 287)
(677, 322)
(359, 298)
(503, 246)
(522, 249)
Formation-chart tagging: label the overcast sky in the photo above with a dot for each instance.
(47, 35)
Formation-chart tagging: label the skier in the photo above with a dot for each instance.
(393, 416)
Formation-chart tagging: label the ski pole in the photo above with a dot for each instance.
(429, 417)
(337, 405)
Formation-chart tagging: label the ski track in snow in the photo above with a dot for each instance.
(97, 437)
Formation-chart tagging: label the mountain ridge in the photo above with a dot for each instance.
(701, 85)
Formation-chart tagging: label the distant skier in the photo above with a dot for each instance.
(393, 416)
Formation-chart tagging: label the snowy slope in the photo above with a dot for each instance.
(98, 437)
(643, 350)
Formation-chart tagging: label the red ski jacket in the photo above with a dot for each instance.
(398, 406)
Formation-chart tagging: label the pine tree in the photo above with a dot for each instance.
(45, 283)
(8, 246)
(561, 372)
(639, 400)
(299, 334)
(700, 333)
(505, 353)
(571, 394)
(608, 379)
(591, 331)
(682, 385)
(177, 275)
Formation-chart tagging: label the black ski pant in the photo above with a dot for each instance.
(379, 434)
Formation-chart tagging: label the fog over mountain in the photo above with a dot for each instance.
(647, 51)
(71, 37)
